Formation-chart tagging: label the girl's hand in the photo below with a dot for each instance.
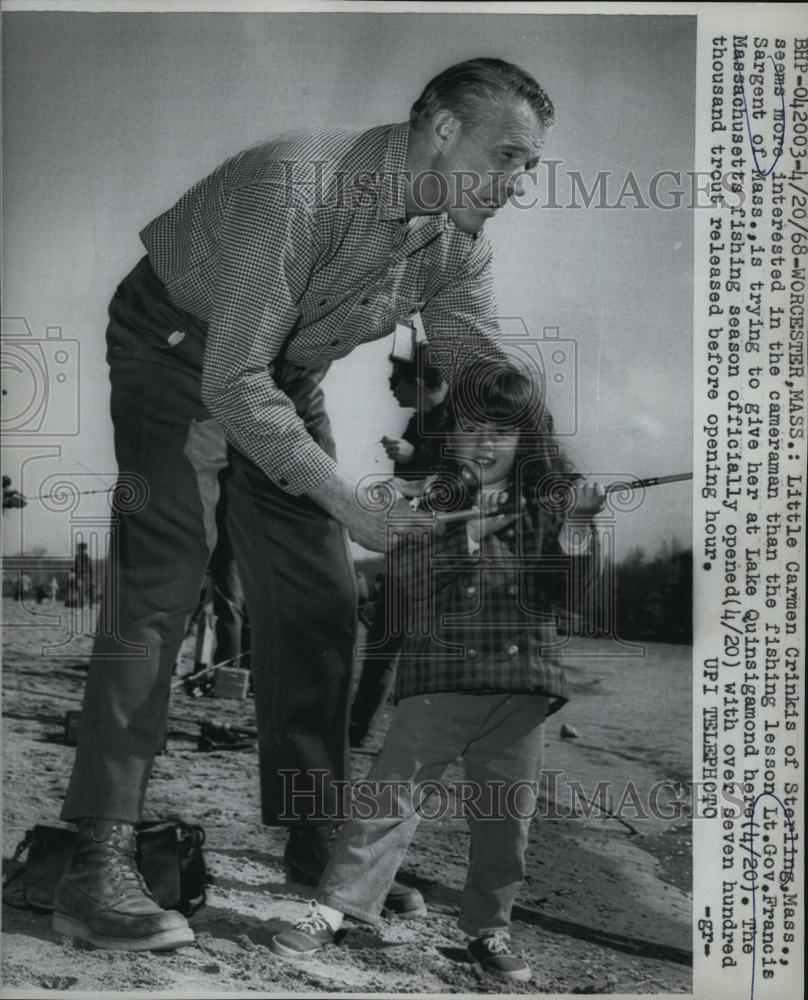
(487, 521)
(398, 449)
(588, 500)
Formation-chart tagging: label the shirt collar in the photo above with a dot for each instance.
(392, 205)
(391, 201)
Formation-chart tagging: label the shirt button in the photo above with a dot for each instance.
(513, 649)
(471, 591)
(510, 532)
(513, 589)
(471, 653)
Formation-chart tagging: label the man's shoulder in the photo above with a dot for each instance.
(306, 160)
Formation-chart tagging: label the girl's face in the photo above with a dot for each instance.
(487, 452)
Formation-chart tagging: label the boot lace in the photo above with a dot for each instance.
(314, 922)
(498, 943)
(127, 879)
(124, 872)
(121, 839)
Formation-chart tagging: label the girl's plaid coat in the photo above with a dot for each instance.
(487, 622)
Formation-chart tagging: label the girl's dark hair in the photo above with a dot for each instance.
(501, 395)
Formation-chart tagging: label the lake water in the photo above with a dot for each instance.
(632, 706)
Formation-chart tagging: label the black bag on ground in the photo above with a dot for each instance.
(169, 856)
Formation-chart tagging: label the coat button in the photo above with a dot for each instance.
(513, 589)
(471, 653)
(510, 533)
(471, 591)
(365, 302)
(513, 649)
(335, 343)
(322, 302)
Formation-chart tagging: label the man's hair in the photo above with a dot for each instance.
(470, 89)
(419, 367)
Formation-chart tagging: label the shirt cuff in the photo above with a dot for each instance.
(311, 466)
(575, 538)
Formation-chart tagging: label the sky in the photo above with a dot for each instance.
(108, 118)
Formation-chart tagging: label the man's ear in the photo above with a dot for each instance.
(444, 128)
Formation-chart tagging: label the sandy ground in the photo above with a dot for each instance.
(606, 906)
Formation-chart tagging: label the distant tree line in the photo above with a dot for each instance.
(651, 598)
(654, 596)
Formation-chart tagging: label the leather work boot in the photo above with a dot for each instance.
(306, 856)
(102, 898)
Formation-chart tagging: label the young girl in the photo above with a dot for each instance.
(477, 674)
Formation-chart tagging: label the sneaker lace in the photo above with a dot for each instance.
(314, 921)
(498, 943)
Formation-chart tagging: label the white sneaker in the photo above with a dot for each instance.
(493, 954)
(307, 937)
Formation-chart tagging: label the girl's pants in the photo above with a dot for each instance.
(500, 738)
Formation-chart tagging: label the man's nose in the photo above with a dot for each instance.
(518, 185)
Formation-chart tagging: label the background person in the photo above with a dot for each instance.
(222, 599)
(83, 570)
(419, 385)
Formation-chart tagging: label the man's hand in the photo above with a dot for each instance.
(486, 520)
(398, 450)
(367, 512)
(409, 488)
(382, 531)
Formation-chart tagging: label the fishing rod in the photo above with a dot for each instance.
(13, 498)
(628, 485)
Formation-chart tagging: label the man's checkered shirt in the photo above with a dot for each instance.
(299, 248)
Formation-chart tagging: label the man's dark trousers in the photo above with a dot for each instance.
(379, 666)
(293, 559)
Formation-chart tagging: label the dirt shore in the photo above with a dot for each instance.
(606, 906)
